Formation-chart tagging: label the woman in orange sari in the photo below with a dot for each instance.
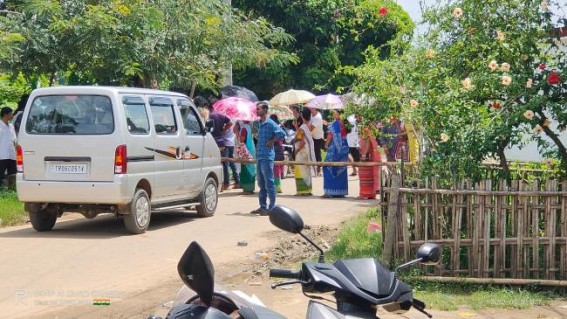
(369, 175)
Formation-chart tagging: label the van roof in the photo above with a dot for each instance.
(77, 89)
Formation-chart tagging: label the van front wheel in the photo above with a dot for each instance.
(208, 199)
(137, 218)
(41, 220)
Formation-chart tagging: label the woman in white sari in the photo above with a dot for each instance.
(304, 151)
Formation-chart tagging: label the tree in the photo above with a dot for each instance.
(134, 42)
(482, 78)
(330, 36)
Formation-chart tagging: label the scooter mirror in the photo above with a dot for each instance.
(429, 253)
(286, 219)
(196, 270)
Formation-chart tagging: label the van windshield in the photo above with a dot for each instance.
(70, 114)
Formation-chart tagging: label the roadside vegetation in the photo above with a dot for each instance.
(358, 239)
(11, 209)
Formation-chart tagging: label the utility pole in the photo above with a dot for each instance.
(227, 73)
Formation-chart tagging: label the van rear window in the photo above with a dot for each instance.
(70, 114)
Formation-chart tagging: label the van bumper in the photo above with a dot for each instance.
(115, 192)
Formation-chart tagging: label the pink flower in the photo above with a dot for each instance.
(467, 84)
(493, 65)
(538, 129)
(529, 114)
(457, 13)
(542, 66)
(413, 104)
(553, 78)
(546, 122)
(506, 80)
(444, 137)
(500, 36)
(505, 67)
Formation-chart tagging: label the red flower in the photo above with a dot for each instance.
(542, 66)
(383, 11)
(495, 105)
(553, 78)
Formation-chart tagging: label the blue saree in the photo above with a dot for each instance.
(335, 178)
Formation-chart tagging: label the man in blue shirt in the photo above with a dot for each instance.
(268, 133)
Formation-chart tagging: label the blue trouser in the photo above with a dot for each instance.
(265, 175)
(228, 151)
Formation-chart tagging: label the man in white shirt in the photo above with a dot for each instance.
(7, 144)
(317, 133)
(353, 145)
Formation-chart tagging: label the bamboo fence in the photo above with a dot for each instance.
(487, 230)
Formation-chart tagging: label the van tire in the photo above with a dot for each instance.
(208, 198)
(139, 212)
(41, 220)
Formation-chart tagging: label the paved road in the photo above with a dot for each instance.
(60, 273)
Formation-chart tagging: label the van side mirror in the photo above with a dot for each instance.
(210, 125)
(429, 253)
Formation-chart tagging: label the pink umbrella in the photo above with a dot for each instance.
(327, 102)
(236, 109)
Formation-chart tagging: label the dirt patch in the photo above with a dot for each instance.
(289, 252)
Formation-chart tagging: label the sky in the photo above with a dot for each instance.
(559, 8)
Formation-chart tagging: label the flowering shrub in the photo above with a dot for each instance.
(481, 79)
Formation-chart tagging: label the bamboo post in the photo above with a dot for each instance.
(563, 223)
(390, 234)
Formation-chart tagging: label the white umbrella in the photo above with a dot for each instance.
(327, 102)
(290, 97)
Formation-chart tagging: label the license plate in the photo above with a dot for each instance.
(69, 168)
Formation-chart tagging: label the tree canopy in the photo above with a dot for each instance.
(135, 42)
(330, 36)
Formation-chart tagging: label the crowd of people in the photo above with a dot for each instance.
(316, 140)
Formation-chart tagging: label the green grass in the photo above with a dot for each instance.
(354, 241)
(11, 209)
(450, 297)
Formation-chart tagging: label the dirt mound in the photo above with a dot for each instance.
(289, 252)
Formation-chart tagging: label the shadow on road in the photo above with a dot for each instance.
(103, 226)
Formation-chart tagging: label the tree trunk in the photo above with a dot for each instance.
(561, 148)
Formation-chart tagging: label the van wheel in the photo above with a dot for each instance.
(41, 220)
(208, 199)
(137, 218)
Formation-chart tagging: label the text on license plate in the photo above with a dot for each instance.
(69, 168)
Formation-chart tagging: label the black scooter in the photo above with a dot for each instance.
(359, 285)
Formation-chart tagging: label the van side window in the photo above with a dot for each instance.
(163, 115)
(136, 117)
(189, 117)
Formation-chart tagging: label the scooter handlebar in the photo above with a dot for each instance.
(285, 273)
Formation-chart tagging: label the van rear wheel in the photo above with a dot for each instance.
(208, 199)
(41, 220)
(137, 218)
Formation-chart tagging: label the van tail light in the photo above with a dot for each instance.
(20, 159)
(120, 160)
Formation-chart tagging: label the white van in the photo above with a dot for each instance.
(126, 151)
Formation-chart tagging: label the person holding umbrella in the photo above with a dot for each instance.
(221, 127)
(268, 134)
